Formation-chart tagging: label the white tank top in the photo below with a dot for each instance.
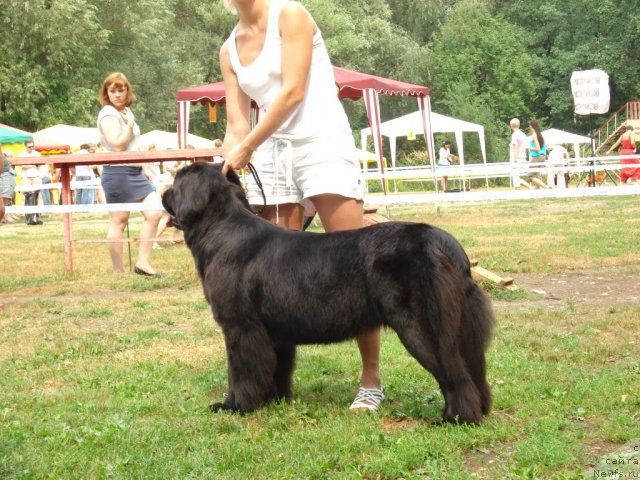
(320, 115)
(110, 111)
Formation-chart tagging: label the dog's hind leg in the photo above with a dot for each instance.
(432, 331)
(474, 339)
(450, 317)
(251, 363)
(461, 397)
(418, 344)
(463, 400)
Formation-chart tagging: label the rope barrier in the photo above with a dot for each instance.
(484, 196)
(75, 185)
(89, 208)
(127, 240)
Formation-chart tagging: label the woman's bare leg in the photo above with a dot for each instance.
(115, 234)
(148, 231)
(289, 215)
(341, 213)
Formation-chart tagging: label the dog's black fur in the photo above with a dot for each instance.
(272, 289)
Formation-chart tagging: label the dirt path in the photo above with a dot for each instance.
(601, 287)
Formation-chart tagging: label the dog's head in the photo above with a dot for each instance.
(202, 188)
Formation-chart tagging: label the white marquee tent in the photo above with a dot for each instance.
(66, 135)
(164, 140)
(75, 136)
(412, 123)
(553, 136)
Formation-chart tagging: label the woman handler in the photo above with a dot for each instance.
(302, 147)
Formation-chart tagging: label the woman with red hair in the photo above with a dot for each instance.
(125, 183)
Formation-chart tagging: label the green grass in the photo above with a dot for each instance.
(109, 376)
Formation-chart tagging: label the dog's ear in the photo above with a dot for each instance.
(168, 202)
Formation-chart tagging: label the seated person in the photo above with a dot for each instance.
(558, 158)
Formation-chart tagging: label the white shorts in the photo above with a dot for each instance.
(293, 171)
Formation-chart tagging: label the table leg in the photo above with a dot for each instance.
(66, 218)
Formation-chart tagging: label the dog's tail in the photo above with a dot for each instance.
(478, 322)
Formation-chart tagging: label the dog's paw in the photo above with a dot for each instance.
(219, 407)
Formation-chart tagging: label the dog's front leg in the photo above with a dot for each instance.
(251, 363)
(229, 401)
(280, 389)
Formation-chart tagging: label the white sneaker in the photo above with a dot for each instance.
(368, 399)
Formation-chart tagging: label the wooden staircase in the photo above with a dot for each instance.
(607, 134)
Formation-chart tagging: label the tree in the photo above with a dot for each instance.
(48, 68)
(145, 44)
(513, 58)
(420, 19)
(487, 53)
(461, 103)
(579, 35)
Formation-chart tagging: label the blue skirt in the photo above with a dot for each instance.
(124, 184)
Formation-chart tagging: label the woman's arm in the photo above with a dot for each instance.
(238, 106)
(536, 143)
(148, 171)
(117, 137)
(296, 30)
(615, 145)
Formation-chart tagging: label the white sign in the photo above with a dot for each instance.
(590, 89)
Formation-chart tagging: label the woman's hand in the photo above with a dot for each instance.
(128, 118)
(117, 136)
(238, 157)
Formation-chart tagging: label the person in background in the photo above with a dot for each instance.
(129, 183)
(517, 151)
(84, 173)
(217, 143)
(45, 178)
(97, 170)
(165, 181)
(302, 147)
(31, 176)
(558, 161)
(7, 184)
(2, 209)
(446, 159)
(627, 144)
(537, 155)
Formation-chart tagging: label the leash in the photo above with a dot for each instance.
(255, 176)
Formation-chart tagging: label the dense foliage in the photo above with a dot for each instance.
(485, 60)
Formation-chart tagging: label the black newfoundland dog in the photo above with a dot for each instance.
(271, 289)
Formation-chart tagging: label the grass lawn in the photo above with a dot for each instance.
(109, 376)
